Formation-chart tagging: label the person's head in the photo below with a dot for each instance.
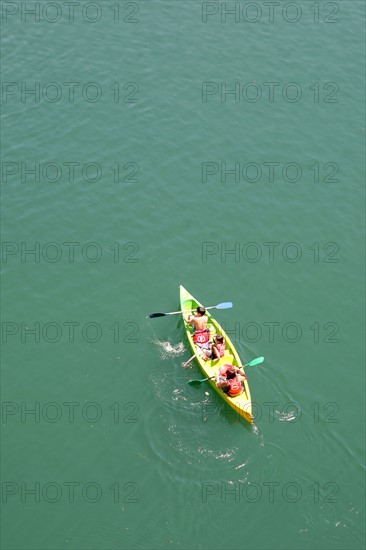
(230, 373)
(219, 338)
(200, 311)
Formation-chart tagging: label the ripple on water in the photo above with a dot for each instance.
(185, 436)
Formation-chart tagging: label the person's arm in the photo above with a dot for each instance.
(216, 352)
(192, 322)
(221, 381)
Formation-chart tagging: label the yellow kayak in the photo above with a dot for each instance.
(242, 403)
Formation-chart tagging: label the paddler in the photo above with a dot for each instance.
(198, 321)
(230, 379)
(218, 347)
(214, 350)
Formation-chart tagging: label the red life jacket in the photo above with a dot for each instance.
(221, 349)
(235, 387)
(201, 336)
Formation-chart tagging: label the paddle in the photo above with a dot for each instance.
(224, 305)
(189, 360)
(256, 361)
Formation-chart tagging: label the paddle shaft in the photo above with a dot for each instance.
(188, 310)
(250, 364)
(189, 360)
(224, 305)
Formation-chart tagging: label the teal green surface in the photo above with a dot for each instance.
(190, 474)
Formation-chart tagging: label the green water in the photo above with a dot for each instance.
(132, 199)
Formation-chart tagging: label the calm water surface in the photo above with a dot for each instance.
(169, 146)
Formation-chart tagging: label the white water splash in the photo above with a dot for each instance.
(167, 350)
(258, 434)
(286, 417)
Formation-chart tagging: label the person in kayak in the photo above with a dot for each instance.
(214, 350)
(230, 379)
(218, 347)
(199, 320)
(201, 335)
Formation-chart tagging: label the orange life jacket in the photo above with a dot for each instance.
(235, 387)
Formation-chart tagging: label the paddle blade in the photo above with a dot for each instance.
(255, 362)
(152, 315)
(224, 305)
(195, 382)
